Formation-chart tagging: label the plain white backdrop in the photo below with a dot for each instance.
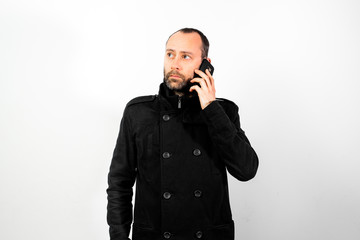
(68, 68)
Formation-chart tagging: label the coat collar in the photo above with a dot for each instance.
(190, 106)
(188, 101)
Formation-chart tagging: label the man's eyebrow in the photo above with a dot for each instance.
(185, 52)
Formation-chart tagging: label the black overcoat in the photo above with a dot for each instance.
(178, 155)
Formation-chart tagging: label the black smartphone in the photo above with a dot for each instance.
(205, 64)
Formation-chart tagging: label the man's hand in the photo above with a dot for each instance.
(206, 92)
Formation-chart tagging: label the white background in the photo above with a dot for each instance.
(67, 69)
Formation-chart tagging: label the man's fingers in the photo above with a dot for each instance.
(200, 73)
(207, 77)
(204, 77)
(195, 88)
(211, 79)
(201, 81)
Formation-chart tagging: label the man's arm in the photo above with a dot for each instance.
(121, 180)
(230, 141)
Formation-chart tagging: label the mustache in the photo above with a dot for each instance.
(174, 72)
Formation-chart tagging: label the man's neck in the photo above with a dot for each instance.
(180, 94)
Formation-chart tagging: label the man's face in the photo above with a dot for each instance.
(182, 57)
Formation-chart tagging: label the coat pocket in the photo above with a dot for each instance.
(222, 232)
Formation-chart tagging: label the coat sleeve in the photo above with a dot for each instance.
(121, 179)
(230, 141)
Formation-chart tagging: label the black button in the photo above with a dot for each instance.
(197, 193)
(167, 195)
(166, 117)
(166, 155)
(197, 152)
(199, 234)
(167, 235)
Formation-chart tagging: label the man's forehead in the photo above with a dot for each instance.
(184, 42)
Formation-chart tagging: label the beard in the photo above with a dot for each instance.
(177, 84)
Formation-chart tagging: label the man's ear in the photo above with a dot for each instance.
(209, 60)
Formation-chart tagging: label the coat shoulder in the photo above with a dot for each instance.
(227, 103)
(141, 99)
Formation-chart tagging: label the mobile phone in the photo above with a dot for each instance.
(205, 64)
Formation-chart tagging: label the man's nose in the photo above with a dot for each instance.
(176, 65)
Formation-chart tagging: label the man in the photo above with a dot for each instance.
(177, 145)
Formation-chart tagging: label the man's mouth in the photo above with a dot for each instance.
(175, 76)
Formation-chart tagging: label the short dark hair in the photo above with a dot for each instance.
(204, 40)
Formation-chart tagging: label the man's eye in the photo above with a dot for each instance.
(186, 56)
(170, 55)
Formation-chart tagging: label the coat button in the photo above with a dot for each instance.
(167, 235)
(166, 155)
(197, 152)
(166, 117)
(197, 193)
(199, 234)
(167, 195)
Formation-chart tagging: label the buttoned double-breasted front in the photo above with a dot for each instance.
(178, 154)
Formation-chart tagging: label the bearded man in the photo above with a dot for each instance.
(178, 147)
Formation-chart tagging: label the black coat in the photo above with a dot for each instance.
(178, 154)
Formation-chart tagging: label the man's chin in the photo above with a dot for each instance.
(175, 85)
(184, 89)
